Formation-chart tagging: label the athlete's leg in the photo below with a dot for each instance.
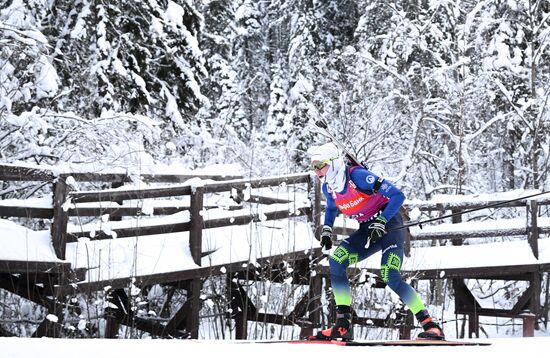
(390, 270)
(345, 254)
(350, 251)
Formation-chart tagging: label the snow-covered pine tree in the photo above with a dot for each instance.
(223, 113)
(136, 57)
(510, 38)
(27, 75)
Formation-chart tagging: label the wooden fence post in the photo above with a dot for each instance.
(529, 320)
(473, 325)
(406, 325)
(533, 234)
(314, 306)
(457, 218)
(239, 302)
(60, 217)
(195, 245)
(314, 188)
(114, 315)
(535, 304)
(194, 322)
(197, 224)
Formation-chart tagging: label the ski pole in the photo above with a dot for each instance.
(419, 223)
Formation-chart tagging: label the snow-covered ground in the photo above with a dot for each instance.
(93, 348)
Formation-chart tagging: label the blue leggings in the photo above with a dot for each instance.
(352, 250)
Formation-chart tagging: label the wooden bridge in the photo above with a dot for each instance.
(179, 230)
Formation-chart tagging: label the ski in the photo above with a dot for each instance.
(411, 342)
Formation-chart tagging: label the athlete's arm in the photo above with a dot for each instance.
(365, 181)
(331, 210)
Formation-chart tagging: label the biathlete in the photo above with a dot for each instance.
(374, 202)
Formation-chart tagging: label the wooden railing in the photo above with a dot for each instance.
(63, 196)
(532, 230)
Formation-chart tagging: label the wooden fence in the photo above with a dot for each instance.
(63, 279)
(55, 279)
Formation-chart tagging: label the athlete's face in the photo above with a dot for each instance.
(321, 168)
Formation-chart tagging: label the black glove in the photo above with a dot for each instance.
(377, 228)
(326, 237)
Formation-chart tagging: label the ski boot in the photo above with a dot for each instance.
(342, 330)
(432, 331)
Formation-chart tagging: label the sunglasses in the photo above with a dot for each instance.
(321, 165)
